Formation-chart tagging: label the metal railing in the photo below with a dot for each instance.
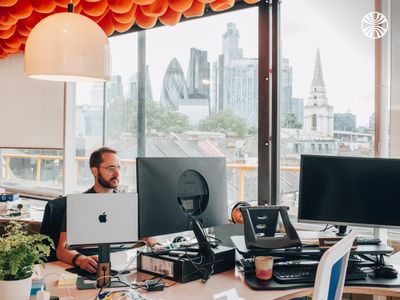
(241, 169)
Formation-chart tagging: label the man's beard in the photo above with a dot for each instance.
(106, 184)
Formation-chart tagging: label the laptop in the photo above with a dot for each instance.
(95, 219)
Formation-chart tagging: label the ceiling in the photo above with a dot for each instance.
(18, 17)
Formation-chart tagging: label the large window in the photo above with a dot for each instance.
(200, 98)
(106, 114)
(328, 81)
(203, 101)
(37, 172)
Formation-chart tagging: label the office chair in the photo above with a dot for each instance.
(331, 272)
(52, 221)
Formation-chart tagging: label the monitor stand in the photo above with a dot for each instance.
(103, 273)
(204, 244)
(342, 230)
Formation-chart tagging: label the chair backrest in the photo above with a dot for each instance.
(52, 221)
(331, 272)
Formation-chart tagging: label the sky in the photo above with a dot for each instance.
(347, 56)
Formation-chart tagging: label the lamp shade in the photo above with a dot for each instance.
(67, 47)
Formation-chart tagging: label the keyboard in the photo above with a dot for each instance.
(362, 240)
(306, 274)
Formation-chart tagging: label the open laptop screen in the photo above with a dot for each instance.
(96, 219)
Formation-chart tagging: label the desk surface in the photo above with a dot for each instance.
(33, 214)
(223, 286)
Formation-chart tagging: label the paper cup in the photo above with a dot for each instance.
(264, 267)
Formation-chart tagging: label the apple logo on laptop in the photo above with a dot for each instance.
(103, 218)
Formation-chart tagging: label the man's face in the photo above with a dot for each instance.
(109, 171)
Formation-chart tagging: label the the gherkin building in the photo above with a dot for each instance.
(174, 89)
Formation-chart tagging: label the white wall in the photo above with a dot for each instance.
(31, 111)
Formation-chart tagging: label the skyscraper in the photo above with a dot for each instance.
(96, 93)
(198, 75)
(174, 88)
(114, 88)
(235, 80)
(286, 84)
(297, 109)
(230, 44)
(241, 89)
(318, 114)
(217, 85)
(133, 87)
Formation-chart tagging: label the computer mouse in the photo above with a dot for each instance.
(385, 272)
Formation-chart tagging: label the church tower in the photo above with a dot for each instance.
(318, 114)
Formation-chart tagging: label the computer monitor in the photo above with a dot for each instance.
(174, 192)
(349, 191)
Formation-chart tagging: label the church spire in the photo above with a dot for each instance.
(318, 114)
(318, 79)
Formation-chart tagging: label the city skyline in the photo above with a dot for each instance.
(349, 80)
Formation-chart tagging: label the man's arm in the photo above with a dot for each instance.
(88, 263)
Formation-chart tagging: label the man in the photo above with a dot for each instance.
(106, 168)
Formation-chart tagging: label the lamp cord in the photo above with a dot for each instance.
(70, 7)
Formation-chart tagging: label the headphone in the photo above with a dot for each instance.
(236, 215)
(179, 239)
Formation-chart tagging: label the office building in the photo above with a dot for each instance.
(133, 87)
(286, 83)
(371, 123)
(198, 75)
(234, 80)
(288, 104)
(318, 114)
(174, 89)
(297, 108)
(114, 88)
(230, 44)
(345, 122)
(97, 94)
(241, 80)
(217, 92)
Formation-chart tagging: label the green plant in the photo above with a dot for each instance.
(19, 251)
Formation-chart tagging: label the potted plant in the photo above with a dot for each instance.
(19, 251)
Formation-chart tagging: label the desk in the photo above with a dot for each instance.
(223, 286)
(32, 215)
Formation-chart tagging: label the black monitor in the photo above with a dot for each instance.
(349, 191)
(176, 192)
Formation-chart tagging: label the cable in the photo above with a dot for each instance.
(123, 270)
(59, 275)
(202, 270)
(327, 227)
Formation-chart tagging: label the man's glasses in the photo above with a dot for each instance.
(112, 169)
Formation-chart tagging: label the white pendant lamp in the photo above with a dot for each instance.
(67, 47)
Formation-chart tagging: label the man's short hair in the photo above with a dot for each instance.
(96, 158)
